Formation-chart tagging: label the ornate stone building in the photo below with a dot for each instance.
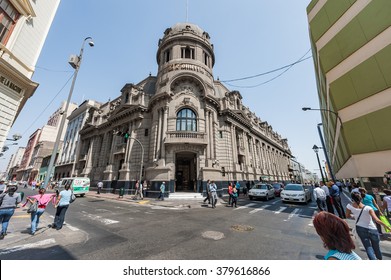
(182, 127)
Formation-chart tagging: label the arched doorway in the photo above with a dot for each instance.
(185, 172)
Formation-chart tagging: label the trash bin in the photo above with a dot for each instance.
(121, 192)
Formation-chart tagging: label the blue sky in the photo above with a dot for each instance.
(250, 37)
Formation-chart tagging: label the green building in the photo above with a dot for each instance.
(351, 45)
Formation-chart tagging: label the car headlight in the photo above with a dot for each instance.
(300, 194)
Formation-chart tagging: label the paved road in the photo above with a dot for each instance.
(101, 227)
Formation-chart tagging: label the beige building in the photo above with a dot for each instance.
(182, 127)
(351, 43)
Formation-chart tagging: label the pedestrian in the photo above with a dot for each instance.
(336, 197)
(370, 201)
(355, 187)
(335, 234)
(10, 199)
(386, 206)
(33, 184)
(207, 192)
(320, 198)
(139, 190)
(230, 192)
(213, 193)
(234, 197)
(61, 205)
(2, 186)
(238, 187)
(100, 186)
(145, 187)
(246, 188)
(162, 190)
(365, 228)
(329, 203)
(42, 200)
(349, 185)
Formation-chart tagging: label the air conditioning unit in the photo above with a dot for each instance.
(73, 61)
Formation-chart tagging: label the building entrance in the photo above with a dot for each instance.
(185, 172)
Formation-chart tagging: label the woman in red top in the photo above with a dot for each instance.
(43, 200)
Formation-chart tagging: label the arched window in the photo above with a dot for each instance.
(186, 120)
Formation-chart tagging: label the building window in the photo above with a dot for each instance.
(166, 56)
(8, 18)
(221, 134)
(188, 53)
(146, 132)
(186, 120)
(206, 59)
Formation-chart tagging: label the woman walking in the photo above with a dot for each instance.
(62, 204)
(335, 235)
(42, 200)
(370, 201)
(386, 207)
(10, 199)
(366, 229)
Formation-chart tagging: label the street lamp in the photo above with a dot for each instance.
(316, 150)
(325, 110)
(15, 137)
(75, 62)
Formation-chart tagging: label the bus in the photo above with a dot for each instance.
(79, 185)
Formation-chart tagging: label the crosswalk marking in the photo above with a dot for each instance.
(38, 244)
(294, 213)
(259, 209)
(280, 210)
(245, 206)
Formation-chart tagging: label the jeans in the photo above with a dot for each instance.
(35, 219)
(213, 196)
(5, 217)
(60, 216)
(371, 241)
(338, 206)
(321, 204)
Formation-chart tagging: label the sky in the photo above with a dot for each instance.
(250, 37)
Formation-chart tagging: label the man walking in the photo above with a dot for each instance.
(207, 192)
(162, 189)
(213, 193)
(320, 198)
(329, 204)
(139, 190)
(100, 186)
(336, 195)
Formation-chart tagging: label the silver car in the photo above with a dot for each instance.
(265, 191)
(296, 193)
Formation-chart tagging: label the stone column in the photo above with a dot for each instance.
(164, 130)
(212, 135)
(159, 135)
(234, 147)
(207, 130)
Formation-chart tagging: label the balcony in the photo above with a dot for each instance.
(175, 137)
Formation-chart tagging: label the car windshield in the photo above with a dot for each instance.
(260, 187)
(294, 188)
(277, 186)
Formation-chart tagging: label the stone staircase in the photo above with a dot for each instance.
(186, 196)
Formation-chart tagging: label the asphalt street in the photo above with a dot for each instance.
(104, 227)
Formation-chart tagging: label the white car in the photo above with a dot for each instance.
(265, 191)
(295, 193)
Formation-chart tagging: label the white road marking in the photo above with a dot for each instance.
(259, 209)
(280, 210)
(294, 213)
(100, 219)
(72, 228)
(245, 206)
(102, 210)
(29, 246)
(109, 222)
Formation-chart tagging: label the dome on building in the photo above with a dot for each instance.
(182, 27)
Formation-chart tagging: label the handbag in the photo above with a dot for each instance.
(33, 207)
(72, 198)
(385, 221)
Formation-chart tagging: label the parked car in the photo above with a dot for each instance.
(296, 193)
(260, 190)
(278, 187)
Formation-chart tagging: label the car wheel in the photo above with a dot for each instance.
(267, 197)
(250, 197)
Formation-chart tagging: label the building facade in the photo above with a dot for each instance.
(351, 43)
(65, 166)
(14, 163)
(182, 127)
(23, 30)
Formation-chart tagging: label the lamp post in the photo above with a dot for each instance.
(316, 150)
(325, 110)
(15, 137)
(75, 62)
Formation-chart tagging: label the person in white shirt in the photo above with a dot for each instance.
(320, 198)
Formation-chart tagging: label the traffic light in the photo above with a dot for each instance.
(126, 136)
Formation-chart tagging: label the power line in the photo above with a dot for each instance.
(301, 59)
(43, 111)
(51, 70)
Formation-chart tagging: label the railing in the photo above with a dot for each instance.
(188, 137)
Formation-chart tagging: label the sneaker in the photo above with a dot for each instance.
(2, 236)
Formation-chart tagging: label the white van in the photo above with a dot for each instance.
(79, 185)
